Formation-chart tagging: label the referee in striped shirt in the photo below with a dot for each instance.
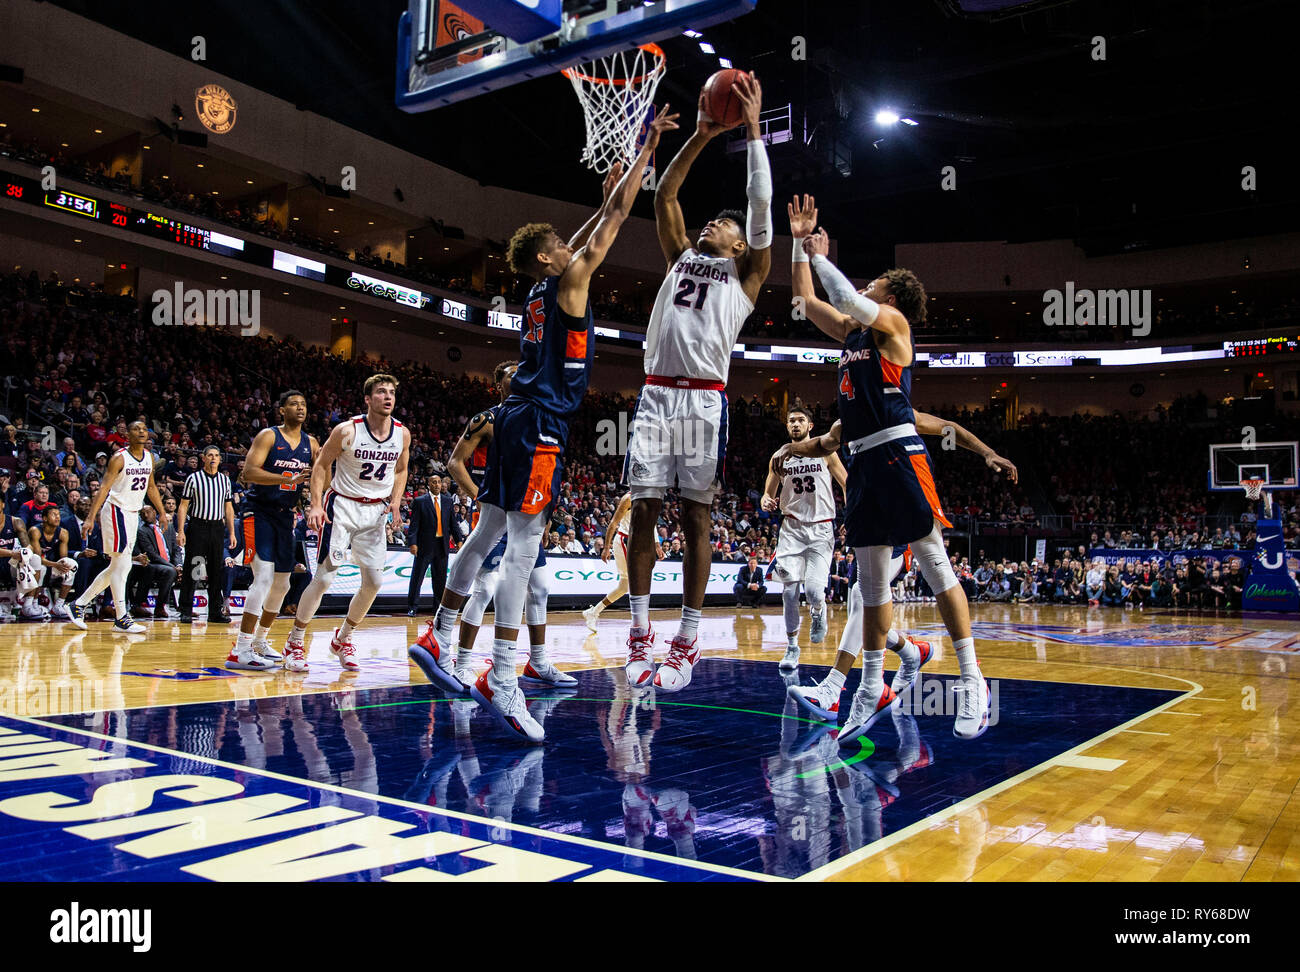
(206, 508)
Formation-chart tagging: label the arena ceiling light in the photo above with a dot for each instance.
(706, 47)
(725, 62)
(887, 116)
(908, 121)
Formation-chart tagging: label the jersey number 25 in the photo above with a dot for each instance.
(536, 317)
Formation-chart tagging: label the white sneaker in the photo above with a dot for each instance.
(511, 710)
(128, 626)
(675, 673)
(864, 712)
(821, 700)
(547, 674)
(790, 661)
(60, 612)
(973, 709)
(295, 657)
(590, 615)
(246, 659)
(76, 614)
(817, 634)
(264, 649)
(640, 658)
(345, 652)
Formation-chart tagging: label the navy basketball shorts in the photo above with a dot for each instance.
(891, 500)
(268, 533)
(525, 458)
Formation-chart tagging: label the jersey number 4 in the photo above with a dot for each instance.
(846, 385)
(536, 317)
(686, 289)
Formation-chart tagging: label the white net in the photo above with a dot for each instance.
(1254, 488)
(616, 94)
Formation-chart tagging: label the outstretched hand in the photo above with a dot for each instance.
(803, 216)
(750, 95)
(706, 126)
(611, 180)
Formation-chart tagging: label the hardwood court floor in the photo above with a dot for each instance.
(1126, 746)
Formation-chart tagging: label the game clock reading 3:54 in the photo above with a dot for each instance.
(70, 202)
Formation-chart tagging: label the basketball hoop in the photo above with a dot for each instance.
(1254, 488)
(616, 93)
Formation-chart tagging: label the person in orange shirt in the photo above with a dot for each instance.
(433, 523)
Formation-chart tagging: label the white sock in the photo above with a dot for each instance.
(464, 657)
(903, 646)
(537, 655)
(792, 639)
(262, 632)
(502, 677)
(296, 635)
(965, 649)
(690, 626)
(243, 641)
(640, 610)
(444, 622)
(873, 674)
(835, 680)
(346, 629)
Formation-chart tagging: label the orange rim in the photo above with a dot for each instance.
(654, 49)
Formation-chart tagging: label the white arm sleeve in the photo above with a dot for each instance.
(843, 297)
(758, 225)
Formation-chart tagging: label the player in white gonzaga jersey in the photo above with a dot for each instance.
(679, 431)
(807, 538)
(128, 480)
(368, 454)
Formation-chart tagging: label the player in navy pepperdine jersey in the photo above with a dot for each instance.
(467, 466)
(891, 498)
(277, 465)
(530, 431)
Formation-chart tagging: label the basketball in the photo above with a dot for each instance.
(720, 101)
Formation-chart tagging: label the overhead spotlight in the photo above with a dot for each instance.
(909, 121)
(886, 116)
(692, 33)
(706, 47)
(725, 62)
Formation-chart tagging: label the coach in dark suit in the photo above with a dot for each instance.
(152, 568)
(750, 588)
(433, 522)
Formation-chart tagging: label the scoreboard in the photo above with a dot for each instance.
(1257, 347)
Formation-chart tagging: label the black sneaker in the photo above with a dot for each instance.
(76, 614)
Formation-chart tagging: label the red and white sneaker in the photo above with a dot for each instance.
(510, 710)
(640, 658)
(907, 674)
(295, 657)
(435, 659)
(547, 674)
(675, 673)
(864, 712)
(820, 699)
(246, 659)
(345, 652)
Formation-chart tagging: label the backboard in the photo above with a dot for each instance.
(449, 52)
(1273, 462)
